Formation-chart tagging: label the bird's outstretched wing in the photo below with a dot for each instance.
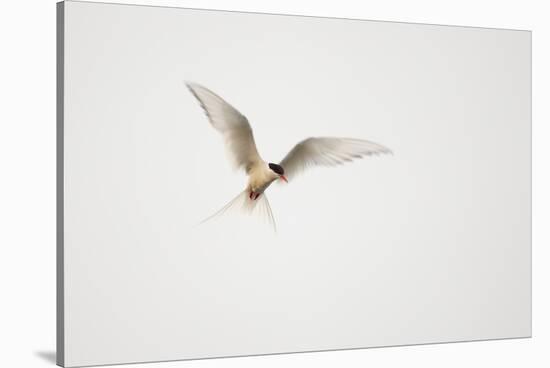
(234, 127)
(327, 151)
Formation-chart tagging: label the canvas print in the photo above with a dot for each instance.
(235, 184)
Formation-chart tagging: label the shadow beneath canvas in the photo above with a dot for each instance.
(48, 356)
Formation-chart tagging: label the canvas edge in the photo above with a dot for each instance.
(530, 35)
(327, 350)
(60, 96)
(152, 5)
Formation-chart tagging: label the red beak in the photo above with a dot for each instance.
(284, 178)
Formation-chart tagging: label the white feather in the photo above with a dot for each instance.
(243, 204)
(327, 151)
(234, 127)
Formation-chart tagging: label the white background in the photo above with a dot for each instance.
(28, 184)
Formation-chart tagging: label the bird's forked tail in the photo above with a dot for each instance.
(244, 204)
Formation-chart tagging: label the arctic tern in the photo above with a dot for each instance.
(243, 154)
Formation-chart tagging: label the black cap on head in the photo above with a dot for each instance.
(277, 168)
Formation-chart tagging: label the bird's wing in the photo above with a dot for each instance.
(327, 151)
(234, 127)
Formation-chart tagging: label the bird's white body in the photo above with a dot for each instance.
(239, 140)
(260, 177)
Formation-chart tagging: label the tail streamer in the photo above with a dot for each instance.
(242, 203)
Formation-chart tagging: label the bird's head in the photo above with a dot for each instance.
(278, 170)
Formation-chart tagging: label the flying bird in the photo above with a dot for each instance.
(243, 153)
